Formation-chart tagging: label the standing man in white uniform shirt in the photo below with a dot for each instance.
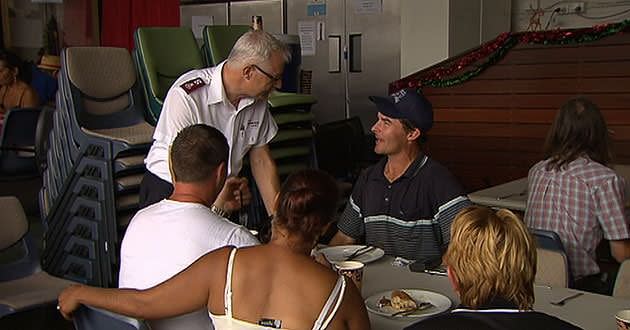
(231, 97)
(164, 238)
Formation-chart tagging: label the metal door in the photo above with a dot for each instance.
(364, 44)
(373, 44)
(327, 64)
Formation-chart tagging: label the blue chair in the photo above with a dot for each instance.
(547, 239)
(17, 151)
(553, 253)
(92, 318)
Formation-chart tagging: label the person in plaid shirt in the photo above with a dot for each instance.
(575, 193)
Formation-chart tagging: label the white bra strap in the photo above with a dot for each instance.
(227, 298)
(337, 292)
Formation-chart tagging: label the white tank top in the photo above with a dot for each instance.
(227, 322)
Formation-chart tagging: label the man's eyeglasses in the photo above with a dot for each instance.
(271, 77)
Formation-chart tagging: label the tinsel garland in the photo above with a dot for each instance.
(493, 51)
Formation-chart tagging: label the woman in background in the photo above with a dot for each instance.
(276, 285)
(15, 92)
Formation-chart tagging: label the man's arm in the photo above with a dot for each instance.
(265, 174)
(620, 249)
(342, 239)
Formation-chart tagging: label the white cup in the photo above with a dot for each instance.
(351, 269)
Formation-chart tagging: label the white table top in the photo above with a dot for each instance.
(589, 311)
(513, 195)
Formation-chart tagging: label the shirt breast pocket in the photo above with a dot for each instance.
(249, 134)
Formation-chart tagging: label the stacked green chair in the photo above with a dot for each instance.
(218, 41)
(162, 54)
(94, 164)
(292, 148)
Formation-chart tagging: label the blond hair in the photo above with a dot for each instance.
(492, 254)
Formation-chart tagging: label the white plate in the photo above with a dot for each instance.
(440, 303)
(341, 252)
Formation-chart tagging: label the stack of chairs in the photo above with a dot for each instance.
(292, 147)
(162, 54)
(97, 145)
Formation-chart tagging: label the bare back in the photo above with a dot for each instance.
(272, 282)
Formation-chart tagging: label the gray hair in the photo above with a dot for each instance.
(257, 46)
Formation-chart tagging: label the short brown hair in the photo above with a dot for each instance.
(196, 152)
(307, 203)
(579, 129)
(492, 254)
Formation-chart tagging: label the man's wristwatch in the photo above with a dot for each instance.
(219, 211)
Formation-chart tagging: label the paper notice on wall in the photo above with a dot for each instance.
(198, 22)
(307, 31)
(367, 7)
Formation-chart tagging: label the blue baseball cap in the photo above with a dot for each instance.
(407, 104)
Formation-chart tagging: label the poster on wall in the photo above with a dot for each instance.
(316, 8)
(306, 31)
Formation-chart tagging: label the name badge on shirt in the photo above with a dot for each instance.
(252, 130)
(270, 323)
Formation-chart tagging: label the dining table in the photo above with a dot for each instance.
(512, 195)
(589, 311)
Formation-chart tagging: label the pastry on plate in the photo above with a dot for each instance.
(402, 301)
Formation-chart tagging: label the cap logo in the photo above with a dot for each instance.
(399, 95)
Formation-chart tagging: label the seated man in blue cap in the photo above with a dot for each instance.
(406, 202)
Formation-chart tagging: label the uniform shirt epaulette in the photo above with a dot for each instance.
(191, 85)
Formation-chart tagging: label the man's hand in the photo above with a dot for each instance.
(68, 301)
(234, 195)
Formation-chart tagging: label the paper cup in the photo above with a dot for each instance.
(623, 319)
(351, 269)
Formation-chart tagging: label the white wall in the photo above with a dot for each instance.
(424, 34)
(595, 12)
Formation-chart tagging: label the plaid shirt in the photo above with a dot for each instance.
(582, 202)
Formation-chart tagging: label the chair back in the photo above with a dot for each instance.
(622, 283)
(339, 146)
(42, 132)
(92, 318)
(552, 268)
(17, 151)
(16, 246)
(547, 239)
(219, 39)
(162, 54)
(102, 85)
